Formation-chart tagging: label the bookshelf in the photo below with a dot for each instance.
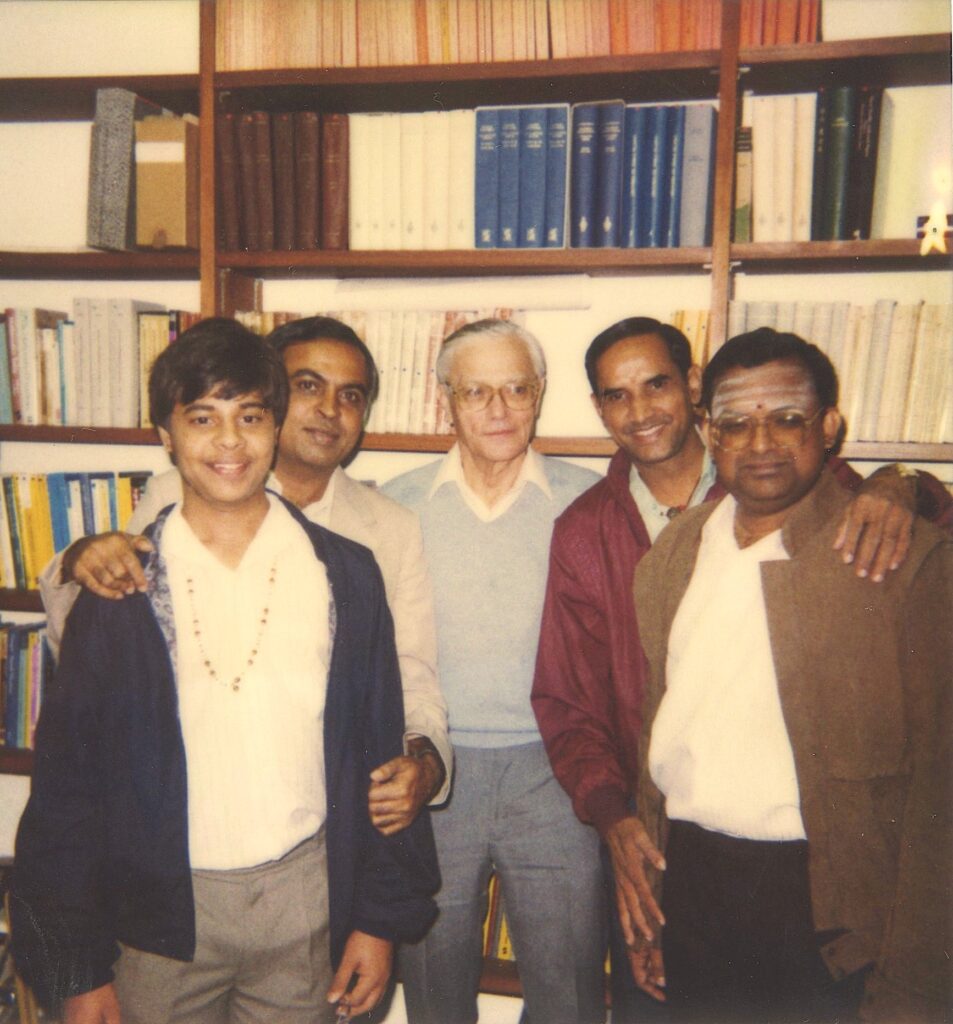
(229, 280)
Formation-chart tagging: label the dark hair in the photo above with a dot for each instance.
(635, 327)
(217, 356)
(321, 328)
(766, 345)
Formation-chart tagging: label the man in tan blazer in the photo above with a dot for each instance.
(796, 749)
(333, 385)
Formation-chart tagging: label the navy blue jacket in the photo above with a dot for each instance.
(102, 848)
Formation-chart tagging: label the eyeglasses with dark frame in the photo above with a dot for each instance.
(517, 395)
(787, 428)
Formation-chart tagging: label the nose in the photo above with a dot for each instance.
(326, 402)
(760, 437)
(229, 436)
(497, 407)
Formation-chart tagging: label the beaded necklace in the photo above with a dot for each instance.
(236, 683)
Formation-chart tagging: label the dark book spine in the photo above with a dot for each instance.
(509, 190)
(557, 152)
(487, 178)
(864, 162)
(264, 178)
(532, 176)
(229, 193)
(609, 174)
(283, 162)
(837, 170)
(658, 190)
(674, 148)
(307, 134)
(334, 180)
(251, 233)
(743, 181)
(582, 189)
(820, 162)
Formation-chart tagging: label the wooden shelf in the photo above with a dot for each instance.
(14, 761)
(144, 265)
(641, 77)
(457, 262)
(20, 600)
(74, 98)
(500, 978)
(897, 253)
(77, 435)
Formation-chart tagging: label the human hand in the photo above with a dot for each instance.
(400, 787)
(648, 971)
(877, 526)
(370, 959)
(630, 848)
(107, 564)
(97, 1007)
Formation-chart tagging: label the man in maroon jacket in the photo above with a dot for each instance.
(589, 679)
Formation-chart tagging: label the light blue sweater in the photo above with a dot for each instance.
(489, 582)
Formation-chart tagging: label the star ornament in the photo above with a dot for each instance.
(934, 231)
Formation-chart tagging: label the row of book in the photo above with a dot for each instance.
(41, 514)
(26, 666)
(86, 368)
(843, 162)
(893, 361)
(143, 175)
(636, 175)
(404, 344)
(252, 34)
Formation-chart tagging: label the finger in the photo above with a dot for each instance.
(651, 852)
(106, 589)
(366, 994)
(128, 567)
(342, 978)
(902, 547)
(142, 543)
(850, 532)
(870, 541)
(625, 918)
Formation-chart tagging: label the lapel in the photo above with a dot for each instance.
(352, 516)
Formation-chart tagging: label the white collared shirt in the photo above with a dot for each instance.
(318, 511)
(255, 756)
(531, 471)
(720, 750)
(656, 515)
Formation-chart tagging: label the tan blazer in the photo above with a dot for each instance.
(864, 675)
(392, 532)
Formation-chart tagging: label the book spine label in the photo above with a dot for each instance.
(509, 186)
(609, 174)
(557, 166)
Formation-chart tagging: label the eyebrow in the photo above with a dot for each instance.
(360, 385)
(208, 407)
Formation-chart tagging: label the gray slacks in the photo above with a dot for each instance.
(507, 812)
(262, 953)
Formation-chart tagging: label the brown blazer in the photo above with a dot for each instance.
(864, 674)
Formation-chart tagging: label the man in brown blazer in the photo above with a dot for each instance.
(334, 383)
(796, 752)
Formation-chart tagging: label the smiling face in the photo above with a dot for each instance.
(223, 449)
(327, 405)
(644, 400)
(768, 480)
(497, 433)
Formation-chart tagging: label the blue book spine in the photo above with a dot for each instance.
(609, 173)
(487, 177)
(582, 196)
(697, 163)
(557, 166)
(532, 198)
(509, 189)
(6, 392)
(658, 191)
(56, 488)
(632, 156)
(89, 511)
(113, 507)
(674, 147)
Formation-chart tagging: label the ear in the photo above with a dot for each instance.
(694, 379)
(831, 424)
(706, 430)
(539, 397)
(166, 438)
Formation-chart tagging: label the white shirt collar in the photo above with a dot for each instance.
(532, 471)
(318, 511)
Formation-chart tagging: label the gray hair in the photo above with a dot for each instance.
(469, 334)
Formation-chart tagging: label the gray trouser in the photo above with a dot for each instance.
(261, 956)
(509, 813)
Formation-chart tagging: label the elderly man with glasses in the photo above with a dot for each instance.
(487, 512)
